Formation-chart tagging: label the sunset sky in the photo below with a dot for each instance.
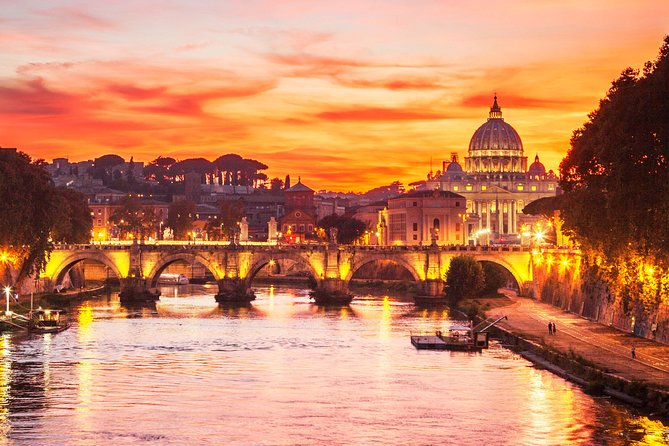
(349, 94)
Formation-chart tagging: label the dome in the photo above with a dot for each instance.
(495, 137)
(536, 168)
(454, 166)
(495, 147)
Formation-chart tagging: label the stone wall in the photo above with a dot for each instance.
(565, 282)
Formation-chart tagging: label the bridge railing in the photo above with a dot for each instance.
(274, 247)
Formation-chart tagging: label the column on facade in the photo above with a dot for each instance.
(514, 213)
(500, 217)
(479, 212)
(487, 214)
(509, 217)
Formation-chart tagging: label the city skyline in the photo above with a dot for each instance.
(349, 97)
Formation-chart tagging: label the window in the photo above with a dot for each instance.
(398, 227)
(301, 228)
(435, 224)
(534, 188)
(520, 187)
(415, 226)
(415, 237)
(456, 188)
(484, 187)
(457, 227)
(457, 204)
(551, 186)
(415, 204)
(468, 187)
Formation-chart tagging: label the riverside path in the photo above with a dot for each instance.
(607, 347)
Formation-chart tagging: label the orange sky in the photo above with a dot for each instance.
(349, 95)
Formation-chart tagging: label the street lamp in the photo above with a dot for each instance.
(7, 292)
(463, 217)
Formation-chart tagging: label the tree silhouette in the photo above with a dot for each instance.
(35, 214)
(616, 173)
(464, 278)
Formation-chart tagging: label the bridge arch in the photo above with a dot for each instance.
(64, 266)
(260, 260)
(163, 262)
(515, 271)
(399, 260)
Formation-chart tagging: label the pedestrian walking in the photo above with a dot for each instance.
(550, 328)
(633, 352)
(554, 329)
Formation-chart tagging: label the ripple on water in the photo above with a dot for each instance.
(284, 371)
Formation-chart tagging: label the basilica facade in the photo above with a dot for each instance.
(496, 183)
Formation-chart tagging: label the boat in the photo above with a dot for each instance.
(47, 321)
(173, 279)
(457, 337)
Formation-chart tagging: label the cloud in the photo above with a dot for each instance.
(513, 101)
(394, 83)
(72, 17)
(378, 114)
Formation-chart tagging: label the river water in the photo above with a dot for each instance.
(284, 372)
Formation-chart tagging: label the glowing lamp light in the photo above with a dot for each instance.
(272, 263)
(4, 257)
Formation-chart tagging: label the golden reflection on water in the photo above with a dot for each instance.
(653, 432)
(84, 366)
(385, 322)
(46, 346)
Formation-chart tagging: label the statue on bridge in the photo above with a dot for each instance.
(333, 235)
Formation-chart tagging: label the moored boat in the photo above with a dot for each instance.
(47, 321)
(457, 337)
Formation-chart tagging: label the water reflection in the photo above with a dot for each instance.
(284, 371)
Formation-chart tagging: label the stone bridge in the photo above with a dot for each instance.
(138, 266)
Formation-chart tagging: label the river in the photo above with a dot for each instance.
(284, 372)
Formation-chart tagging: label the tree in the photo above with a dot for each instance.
(131, 217)
(159, 170)
(32, 210)
(102, 167)
(230, 213)
(276, 184)
(495, 277)
(180, 218)
(615, 175)
(74, 222)
(348, 228)
(546, 206)
(201, 166)
(464, 278)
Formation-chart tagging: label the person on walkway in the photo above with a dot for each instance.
(633, 352)
(550, 328)
(554, 329)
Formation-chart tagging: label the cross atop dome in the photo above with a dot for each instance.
(495, 110)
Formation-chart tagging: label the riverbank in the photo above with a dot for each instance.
(590, 354)
(56, 300)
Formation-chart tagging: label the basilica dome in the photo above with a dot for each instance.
(495, 146)
(536, 168)
(495, 136)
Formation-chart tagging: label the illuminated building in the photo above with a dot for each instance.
(496, 182)
(298, 224)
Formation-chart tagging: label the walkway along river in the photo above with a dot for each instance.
(283, 371)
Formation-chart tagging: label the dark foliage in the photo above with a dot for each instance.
(464, 278)
(616, 173)
(35, 213)
(348, 228)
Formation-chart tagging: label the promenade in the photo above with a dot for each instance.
(610, 349)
